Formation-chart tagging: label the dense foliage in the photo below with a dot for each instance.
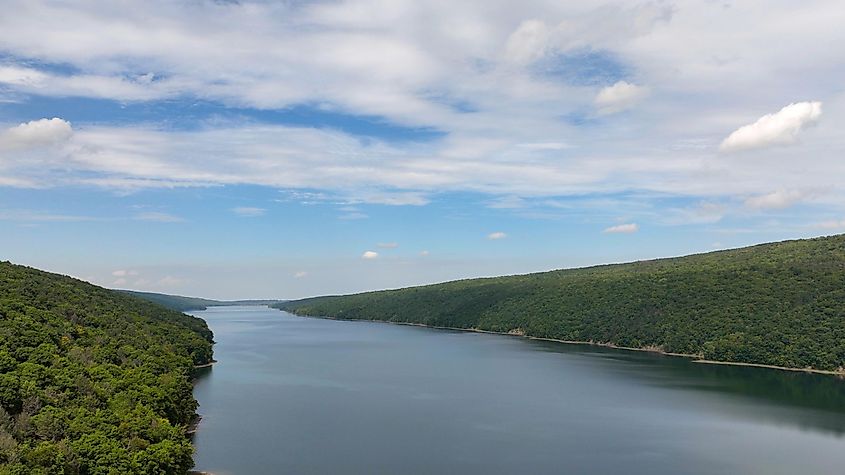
(174, 302)
(184, 304)
(780, 304)
(93, 381)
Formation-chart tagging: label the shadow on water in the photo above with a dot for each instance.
(296, 395)
(202, 373)
(804, 400)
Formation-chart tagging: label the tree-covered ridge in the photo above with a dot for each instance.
(185, 304)
(778, 304)
(174, 302)
(93, 381)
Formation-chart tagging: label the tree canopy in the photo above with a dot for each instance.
(778, 304)
(93, 381)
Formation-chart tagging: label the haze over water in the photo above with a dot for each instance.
(302, 395)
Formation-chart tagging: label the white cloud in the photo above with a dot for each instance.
(352, 171)
(488, 79)
(776, 200)
(528, 42)
(622, 229)
(248, 211)
(118, 87)
(388, 245)
(369, 255)
(496, 235)
(120, 281)
(300, 274)
(18, 76)
(543, 146)
(36, 133)
(594, 26)
(779, 128)
(618, 97)
(424, 253)
(157, 216)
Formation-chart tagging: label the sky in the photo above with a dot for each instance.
(257, 149)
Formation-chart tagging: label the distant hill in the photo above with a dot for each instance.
(185, 304)
(93, 380)
(776, 304)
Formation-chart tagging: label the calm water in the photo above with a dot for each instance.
(309, 396)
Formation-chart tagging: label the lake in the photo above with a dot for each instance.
(312, 396)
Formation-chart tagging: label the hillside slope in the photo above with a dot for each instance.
(185, 304)
(91, 380)
(778, 304)
(174, 302)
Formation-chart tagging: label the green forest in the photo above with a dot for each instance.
(175, 302)
(93, 381)
(186, 304)
(777, 304)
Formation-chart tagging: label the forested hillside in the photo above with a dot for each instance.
(174, 302)
(93, 381)
(185, 304)
(779, 304)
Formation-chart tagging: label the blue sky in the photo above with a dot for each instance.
(258, 149)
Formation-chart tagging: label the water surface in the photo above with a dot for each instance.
(310, 396)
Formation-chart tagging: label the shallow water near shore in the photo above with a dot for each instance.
(312, 396)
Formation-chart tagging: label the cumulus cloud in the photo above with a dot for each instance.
(300, 274)
(622, 229)
(618, 97)
(776, 200)
(249, 211)
(501, 125)
(36, 133)
(349, 170)
(779, 128)
(424, 253)
(496, 235)
(369, 255)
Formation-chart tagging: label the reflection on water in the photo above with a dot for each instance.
(808, 401)
(299, 395)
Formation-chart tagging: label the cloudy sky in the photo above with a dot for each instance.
(284, 149)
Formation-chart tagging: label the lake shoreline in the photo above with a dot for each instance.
(291, 396)
(695, 358)
(205, 365)
(193, 427)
